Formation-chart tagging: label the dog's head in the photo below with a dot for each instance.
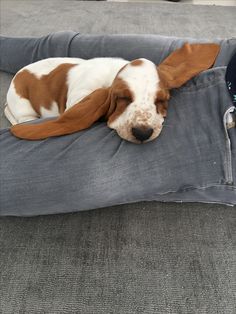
(135, 105)
(138, 102)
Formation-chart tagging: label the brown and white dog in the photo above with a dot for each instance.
(131, 96)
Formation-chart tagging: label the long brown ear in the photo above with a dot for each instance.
(79, 117)
(186, 62)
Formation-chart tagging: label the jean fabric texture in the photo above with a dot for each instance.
(194, 158)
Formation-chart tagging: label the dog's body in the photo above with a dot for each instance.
(82, 77)
(132, 96)
(49, 87)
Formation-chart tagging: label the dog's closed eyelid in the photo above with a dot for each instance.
(162, 96)
(159, 102)
(161, 108)
(158, 108)
(124, 98)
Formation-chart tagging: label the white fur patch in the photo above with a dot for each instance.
(142, 80)
(92, 74)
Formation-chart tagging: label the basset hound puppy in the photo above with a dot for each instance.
(132, 96)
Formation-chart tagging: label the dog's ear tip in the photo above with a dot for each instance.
(186, 62)
(22, 132)
(14, 128)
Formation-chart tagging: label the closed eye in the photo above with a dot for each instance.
(161, 107)
(126, 99)
(159, 103)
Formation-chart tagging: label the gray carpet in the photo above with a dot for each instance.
(140, 258)
(137, 258)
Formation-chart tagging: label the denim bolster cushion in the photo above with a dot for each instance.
(194, 158)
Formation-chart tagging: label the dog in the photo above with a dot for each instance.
(132, 96)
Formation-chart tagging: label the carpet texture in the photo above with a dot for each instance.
(137, 258)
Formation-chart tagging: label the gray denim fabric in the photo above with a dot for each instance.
(192, 160)
(152, 47)
(32, 49)
(87, 46)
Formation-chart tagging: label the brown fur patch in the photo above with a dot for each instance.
(162, 108)
(121, 98)
(162, 94)
(162, 97)
(136, 62)
(46, 89)
(186, 62)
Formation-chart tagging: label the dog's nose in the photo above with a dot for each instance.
(142, 133)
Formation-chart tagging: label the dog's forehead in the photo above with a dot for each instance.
(139, 66)
(139, 74)
(140, 71)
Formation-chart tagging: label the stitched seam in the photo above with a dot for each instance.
(228, 153)
(69, 45)
(202, 187)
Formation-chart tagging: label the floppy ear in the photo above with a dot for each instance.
(186, 62)
(79, 117)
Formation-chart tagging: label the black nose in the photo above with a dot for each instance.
(142, 133)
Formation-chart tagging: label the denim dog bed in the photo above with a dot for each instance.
(194, 158)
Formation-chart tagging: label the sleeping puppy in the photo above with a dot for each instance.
(132, 96)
